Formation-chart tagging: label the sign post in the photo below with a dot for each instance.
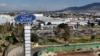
(26, 19)
(27, 33)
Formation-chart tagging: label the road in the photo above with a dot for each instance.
(16, 52)
(19, 51)
(35, 50)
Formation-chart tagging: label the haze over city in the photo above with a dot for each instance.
(41, 5)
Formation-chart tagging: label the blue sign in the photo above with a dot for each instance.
(25, 18)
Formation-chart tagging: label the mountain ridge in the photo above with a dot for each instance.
(92, 6)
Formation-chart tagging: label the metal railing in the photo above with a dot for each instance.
(70, 47)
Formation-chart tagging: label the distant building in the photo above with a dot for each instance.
(6, 18)
(38, 15)
(53, 21)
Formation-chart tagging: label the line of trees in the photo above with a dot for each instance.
(14, 32)
(17, 33)
(62, 31)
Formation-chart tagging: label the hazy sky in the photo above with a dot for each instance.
(42, 5)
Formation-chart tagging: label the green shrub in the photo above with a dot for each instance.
(0, 49)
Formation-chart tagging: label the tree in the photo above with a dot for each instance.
(0, 49)
(3, 29)
(11, 39)
(92, 24)
(34, 38)
(92, 37)
(12, 14)
(62, 31)
(18, 33)
(88, 23)
(49, 23)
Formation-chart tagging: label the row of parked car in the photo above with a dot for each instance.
(84, 32)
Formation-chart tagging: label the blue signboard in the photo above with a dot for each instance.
(25, 18)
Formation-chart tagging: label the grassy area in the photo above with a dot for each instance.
(82, 39)
(78, 40)
(48, 41)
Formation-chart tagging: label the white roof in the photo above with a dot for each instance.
(38, 15)
(53, 20)
(6, 18)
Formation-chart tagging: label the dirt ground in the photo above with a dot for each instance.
(72, 53)
(0, 54)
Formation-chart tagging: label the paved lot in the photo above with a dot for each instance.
(0, 54)
(16, 52)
